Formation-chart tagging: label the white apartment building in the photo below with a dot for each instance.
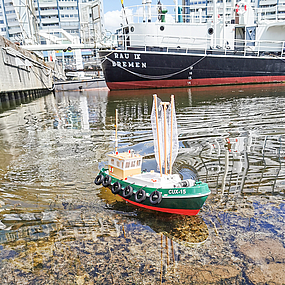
(22, 20)
(18, 22)
(58, 14)
(76, 17)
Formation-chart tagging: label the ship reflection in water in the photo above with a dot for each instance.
(56, 224)
(187, 230)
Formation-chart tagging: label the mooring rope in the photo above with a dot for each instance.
(104, 57)
(154, 76)
(39, 77)
(280, 58)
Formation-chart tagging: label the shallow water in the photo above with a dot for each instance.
(57, 226)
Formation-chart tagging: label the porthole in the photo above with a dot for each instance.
(210, 31)
(132, 29)
(162, 28)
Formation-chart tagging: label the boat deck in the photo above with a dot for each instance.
(154, 180)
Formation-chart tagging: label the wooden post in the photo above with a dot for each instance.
(157, 133)
(171, 134)
(173, 256)
(161, 255)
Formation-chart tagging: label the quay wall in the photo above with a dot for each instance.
(22, 73)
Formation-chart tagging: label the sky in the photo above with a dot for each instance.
(112, 11)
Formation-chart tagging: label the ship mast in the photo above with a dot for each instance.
(157, 132)
(171, 134)
(165, 104)
(116, 130)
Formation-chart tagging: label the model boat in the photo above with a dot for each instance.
(160, 191)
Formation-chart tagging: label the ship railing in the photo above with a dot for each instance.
(260, 48)
(276, 13)
(202, 12)
(202, 45)
(173, 14)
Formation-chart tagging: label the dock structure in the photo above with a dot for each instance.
(23, 75)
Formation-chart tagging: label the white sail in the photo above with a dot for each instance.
(165, 141)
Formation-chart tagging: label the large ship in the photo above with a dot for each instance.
(219, 43)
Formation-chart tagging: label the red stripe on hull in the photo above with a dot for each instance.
(193, 82)
(165, 210)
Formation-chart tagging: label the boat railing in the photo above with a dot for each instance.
(173, 13)
(201, 45)
(202, 12)
(275, 13)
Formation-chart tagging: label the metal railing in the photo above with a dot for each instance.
(238, 47)
(199, 13)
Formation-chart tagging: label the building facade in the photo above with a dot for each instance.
(18, 21)
(23, 21)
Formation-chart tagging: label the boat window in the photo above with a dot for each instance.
(138, 162)
(118, 163)
(133, 163)
(112, 161)
(127, 164)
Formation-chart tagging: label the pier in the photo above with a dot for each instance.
(24, 75)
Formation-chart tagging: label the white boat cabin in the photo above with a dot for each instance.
(122, 165)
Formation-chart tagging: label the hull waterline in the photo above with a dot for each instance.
(187, 201)
(165, 210)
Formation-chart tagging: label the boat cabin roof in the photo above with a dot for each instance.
(125, 155)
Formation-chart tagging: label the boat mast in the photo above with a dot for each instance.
(171, 134)
(215, 22)
(176, 10)
(164, 104)
(116, 130)
(224, 23)
(157, 131)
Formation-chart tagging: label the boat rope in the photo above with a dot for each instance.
(103, 58)
(156, 77)
(40, 78)
(280, 58)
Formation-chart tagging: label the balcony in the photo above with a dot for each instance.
(50, 20)
(47, 5)
(49, 12)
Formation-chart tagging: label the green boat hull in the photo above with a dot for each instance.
(184, 200)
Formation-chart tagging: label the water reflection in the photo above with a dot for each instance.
(78, 224)
(232, 137)
(182, 229)
(50, 209)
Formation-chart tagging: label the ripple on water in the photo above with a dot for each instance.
(53, 216)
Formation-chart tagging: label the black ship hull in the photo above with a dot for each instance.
(134, 69)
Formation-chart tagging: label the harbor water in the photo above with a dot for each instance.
(58, 227)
